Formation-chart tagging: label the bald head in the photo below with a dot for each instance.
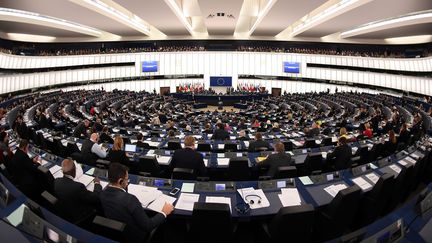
(68, 167)
(94, 137)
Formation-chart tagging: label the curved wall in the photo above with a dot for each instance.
(216, 64)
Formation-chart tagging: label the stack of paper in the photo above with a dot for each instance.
(223, 200)
(374, 178)
(249, 194)
(145, 194)
(289, 197)
(163, 160)
(90, 186)
(395, 168)
(159, 202)
(306, 180)
(334, 189)
(188, 187)
(186, 201)
(55, 169)
(223, 161)
(246, 143)
(362, 183)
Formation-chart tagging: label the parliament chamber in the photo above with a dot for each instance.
(197, 121)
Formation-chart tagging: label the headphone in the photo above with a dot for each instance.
(251, 201)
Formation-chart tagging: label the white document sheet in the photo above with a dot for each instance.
(223, 161)
(158, 204)
(145, 194)
(362, 183)
(186, 201)
(373, 177)
(334, 189)
(289, 197)
(163, 160)
(255, 195)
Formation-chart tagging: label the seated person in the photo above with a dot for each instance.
(105, 137)
(368, 131)
(242, 136)
(5, 152)
(341, 156)
(140, 142)
(117, 154)
(391, 145)
(24, 171)
(188, 158)
(75, 201)
(258, 143)
(20, 127)
(314, 131)
(277, 159)
(119, 205)
(220, 133)
(91, 150)
(207, 129)
(404, 134)
(276, 127)
(80, 130)
(97, 126)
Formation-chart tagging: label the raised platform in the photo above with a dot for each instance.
(214, 99)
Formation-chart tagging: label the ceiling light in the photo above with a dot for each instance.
(188, 22)
(409, 39)
(131, 20)
(408, 19)
(29, 37)
(21, 16)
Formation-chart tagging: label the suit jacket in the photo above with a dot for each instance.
(253, 145)
(74, 199)
(141, 144)
(341, 156)
(274, 161)
(126, 208)
(79, 130)
(26, 174)
(313, 132)
(190, 159)
(105, 138)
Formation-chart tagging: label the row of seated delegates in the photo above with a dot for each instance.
(118, 204)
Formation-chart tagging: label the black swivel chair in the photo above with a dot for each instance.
(314, 163)
(147, 164)
(174, 145)
(230, 147)
(211, 222)
(204, 147)
(109, 228)
(285, 172)
(288, 145)
(238, 169)
(374, 201)
(336, 217)
(294, 223)
(310, 143)
(183, 174)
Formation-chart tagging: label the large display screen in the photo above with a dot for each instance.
(291, 67)
(221, 81)
(149, 66)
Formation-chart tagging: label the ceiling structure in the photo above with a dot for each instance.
(345, 21)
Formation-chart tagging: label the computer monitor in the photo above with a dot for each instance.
(130, 148)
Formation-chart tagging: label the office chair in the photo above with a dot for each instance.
(218, 229)
(288, 145)
(261, 149)
(314, 163)
(72, 148)
(295, 222)
(174, 145)
(109, 228)
(204, 147)
(310, 143)
(230, 147)
(336, 217)
(102, 163)
(238, 169)
(183, 174)
(148, 164)
(374, 201)
(285, 172)
(50, 202)
(327, 141)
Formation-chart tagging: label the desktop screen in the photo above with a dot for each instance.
(291, 67)
(221, 81)
(149, 66)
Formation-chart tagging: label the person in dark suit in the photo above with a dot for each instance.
(80, 130)
(97, 126)
(119, 205)
(404, 134)
(242, 136)
(91, 150)
(341, 156)
(220, 133)
(391, 145)
(188, 158)
(105, 137)
(140, 142)
(117, 154)
(258, 144)
(278, 159)
(21, 128)
(75, 201)
(25, 172)
(314, 131)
